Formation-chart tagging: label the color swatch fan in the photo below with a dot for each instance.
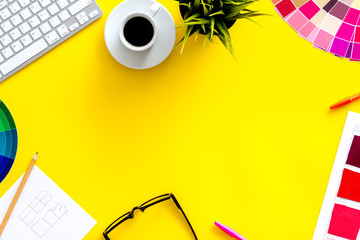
(8, 141)
(331, 25)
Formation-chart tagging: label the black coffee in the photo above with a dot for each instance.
(138, 31)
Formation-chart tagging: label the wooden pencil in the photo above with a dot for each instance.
(18, 193)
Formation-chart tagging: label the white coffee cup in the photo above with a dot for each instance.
(128, 23)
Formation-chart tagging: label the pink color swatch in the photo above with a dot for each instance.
(345, 222)
(352, 16)
(345, 31)
(307, 29)
(297, 20)
(323, 39)
(309, 9)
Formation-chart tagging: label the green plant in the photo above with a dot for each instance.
(213, 17)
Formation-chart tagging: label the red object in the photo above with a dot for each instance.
(350, 187)
(345, 101)
(354, 153)
(345, 222)
(285, 7)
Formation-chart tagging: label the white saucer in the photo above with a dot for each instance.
(148, 58)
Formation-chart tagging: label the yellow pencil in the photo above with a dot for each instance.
(18, 192)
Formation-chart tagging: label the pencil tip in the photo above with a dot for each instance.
(35, 157)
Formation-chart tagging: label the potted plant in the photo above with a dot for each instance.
(213, 17)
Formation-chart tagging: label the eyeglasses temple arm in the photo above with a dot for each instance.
(182, 211)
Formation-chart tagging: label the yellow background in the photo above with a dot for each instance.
(249, 145)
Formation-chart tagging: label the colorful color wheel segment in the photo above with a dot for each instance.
(8, 141)
(331, 25)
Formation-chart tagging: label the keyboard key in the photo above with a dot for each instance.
(64, 15)
(5, 40)
(25, 13)
(34, 21)
(74, 26)
(14, 7)
(45, 28)
(5, 13)
(84, 20)
(6, 26)
(26, 40)
(17, 46)
(55, 21)
(1, 32)
(1, 59)
(7, 52)
(3, 4)
(25, 27)
(24, 3)
(35, 34)
(62, 3)
(16, 20)
(35, 7)
(52, 37)
(15, 34)
(23, 56)
(62, 30)
(72, 1)
(78, 6)
(93, 13)
(43, 15)
(53, 9)
(80, 15)
(44, 3)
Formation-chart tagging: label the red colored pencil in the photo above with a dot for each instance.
(345, 101)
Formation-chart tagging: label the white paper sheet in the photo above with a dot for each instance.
(43, 212)
(351, 128)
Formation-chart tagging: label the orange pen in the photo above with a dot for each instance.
(345, 101)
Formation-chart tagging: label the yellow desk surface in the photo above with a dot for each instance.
(251, 146)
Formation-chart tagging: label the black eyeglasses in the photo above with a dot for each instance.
(142, 208)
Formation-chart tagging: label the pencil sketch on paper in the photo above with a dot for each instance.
(35, 207)
(38, 211)
(49, 220)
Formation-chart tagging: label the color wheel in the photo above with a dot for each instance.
(8, 141)
(331, 25)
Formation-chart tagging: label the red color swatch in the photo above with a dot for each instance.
(345, 222)
(350, 185)
(357, 39)
(285, 7)
(354, 153)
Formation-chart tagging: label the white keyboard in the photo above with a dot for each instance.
(30, 28)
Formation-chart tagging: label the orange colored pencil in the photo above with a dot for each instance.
(345, 101)
(18, 193)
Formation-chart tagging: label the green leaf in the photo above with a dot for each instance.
(196, 23)
(187, 34)
(187, 14)
(236, 10)
(192, 17)
(212, 26)
(197, 33)
(185, 5)
(209, 37)
(197, 4)
(206, 11)
(228, 46)
(221, 12)
(221, 26)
